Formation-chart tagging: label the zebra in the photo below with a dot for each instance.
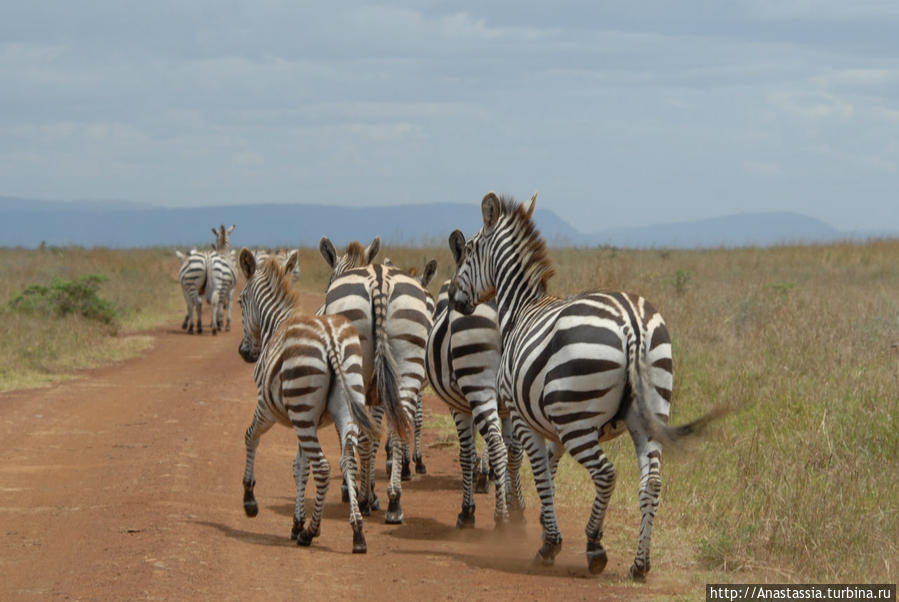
(577, 371)
(192, 276)
(389, 310)
(424, 279)
(282, 255)
(221, 278)
(308, 371)
(463, 357)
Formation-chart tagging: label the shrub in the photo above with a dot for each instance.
(65, 297)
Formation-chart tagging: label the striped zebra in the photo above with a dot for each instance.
(192, 276)
(577, 371)
(282, 255)
(389, 310)
(424, 279)
(463, 358)
(221, 278)
(308, 372)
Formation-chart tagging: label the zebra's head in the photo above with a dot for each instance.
(355, 256)
(475, 278)
(267, 290)
(222, 237)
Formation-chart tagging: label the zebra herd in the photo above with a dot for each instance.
(527, 371)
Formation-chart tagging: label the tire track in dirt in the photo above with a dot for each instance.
(125, 484)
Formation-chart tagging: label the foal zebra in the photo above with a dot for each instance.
(389, 310)
(308, 371)
(192, 276)
(577, 371)
(221, 278)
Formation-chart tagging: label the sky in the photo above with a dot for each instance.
(619, 113)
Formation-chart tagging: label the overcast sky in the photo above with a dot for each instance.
(628, 113)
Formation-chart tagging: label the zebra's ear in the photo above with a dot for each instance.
(215, 232)
(326, 247)
(179, 254)
(247, 263)
(290, 264)
(371, 251)
(530, 205)
(490, 209)
(430, 270)
(457, 246)
(230, 230)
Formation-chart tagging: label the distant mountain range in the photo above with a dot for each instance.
(29, 222)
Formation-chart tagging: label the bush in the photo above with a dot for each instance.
(65, 297)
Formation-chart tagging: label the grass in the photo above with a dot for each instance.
(797, 484)
(138, 287)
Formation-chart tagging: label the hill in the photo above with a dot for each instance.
(123, 224)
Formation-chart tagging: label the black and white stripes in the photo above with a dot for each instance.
(576, 370)
(308, 370)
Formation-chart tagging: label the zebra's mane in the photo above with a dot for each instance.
(278, 282)
(355, 253)
(535, 257)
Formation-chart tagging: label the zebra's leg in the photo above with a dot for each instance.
(649, 458)
(420, 467)
(394, 514)
(230, 298)
(466, 457)
(555, 451)
(406, 470)
(536, 449)
(584, 447)
(348, 432)
(365, 493)
(487, 422)
(199, 308)
(301, 477)
(368, 476)
(482, 479)
(514, 493)
(321, 471)
(259, 426)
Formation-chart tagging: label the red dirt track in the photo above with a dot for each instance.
(126, 484)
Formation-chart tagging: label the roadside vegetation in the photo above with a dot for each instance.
(796, 484)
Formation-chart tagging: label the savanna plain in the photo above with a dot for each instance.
(796, 483)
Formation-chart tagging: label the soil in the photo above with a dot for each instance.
(125, 483)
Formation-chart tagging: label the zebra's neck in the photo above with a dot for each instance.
(280, 310)
(520, 277)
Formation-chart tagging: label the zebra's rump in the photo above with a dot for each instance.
(570, 357)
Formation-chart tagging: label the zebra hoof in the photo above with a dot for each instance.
(251, 508)
(596, 559)
(344, 494)
(214, 332)
(482, 483)
(420, 467)
(304, 538)
(190, 330)
(359, 545)
(295, 530)
(406, 472)
(638, 574)
(466, 518)
(199, 330)
(546, 555)
(394, 514)
(375, 503)
(364, 508)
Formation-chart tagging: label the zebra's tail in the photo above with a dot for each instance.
(357, 410)
(386, 381)
(642, 390)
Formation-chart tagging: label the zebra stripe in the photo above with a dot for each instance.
(192, 276)
(221, 278)
(463, 357)
(307, 369)
(576, 371)
(281, 255)
(389, 310)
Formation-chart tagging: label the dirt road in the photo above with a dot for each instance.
(125, 484)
